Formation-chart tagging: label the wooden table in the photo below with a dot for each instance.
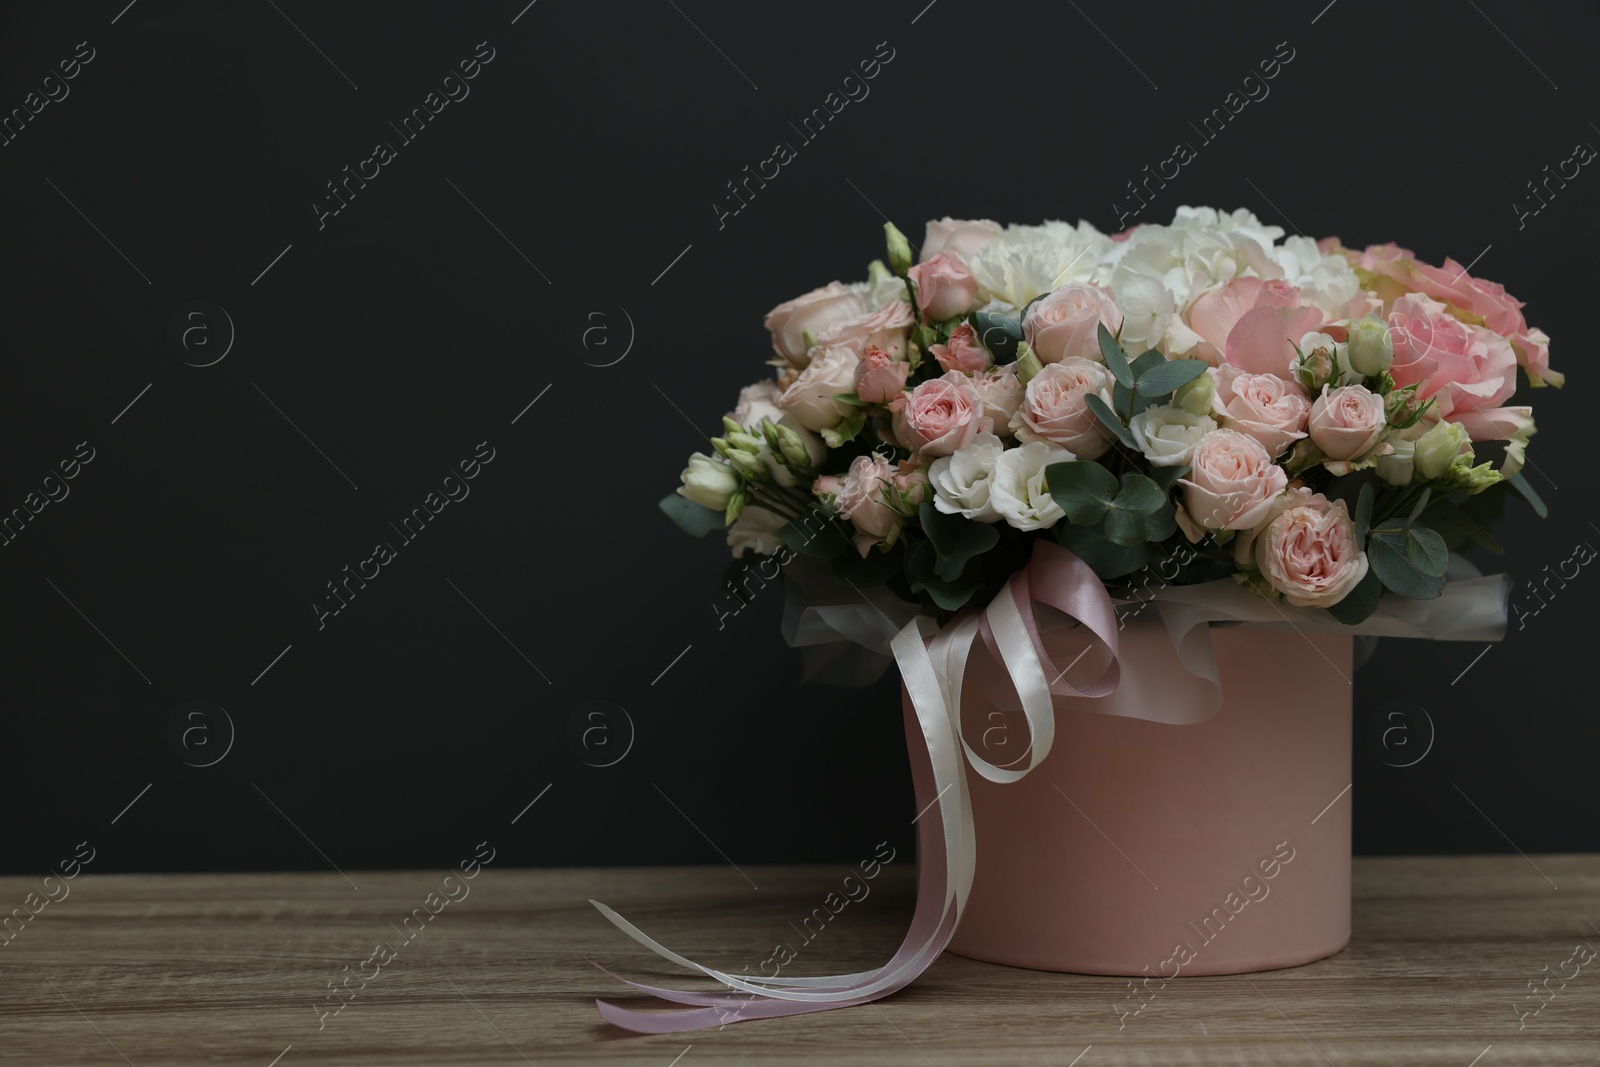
(210, 969)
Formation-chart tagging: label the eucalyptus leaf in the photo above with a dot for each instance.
(1167, 477)
(1386, 553)
(1083, 488)
(1107, 560)
(1363, 513)
(1456, 526)
(1426, 551)
(1111, 352)
(1110, 420)
(955, 539)
(1360, 602)
(691, 518)
(1000, 334)
(1520, 484)
(1160, 381)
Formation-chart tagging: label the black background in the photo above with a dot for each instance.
(411, 327)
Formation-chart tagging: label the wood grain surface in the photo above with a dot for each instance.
(225, 969)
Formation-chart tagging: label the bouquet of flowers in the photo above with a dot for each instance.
(1319, 424)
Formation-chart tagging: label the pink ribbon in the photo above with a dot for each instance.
(932, 669)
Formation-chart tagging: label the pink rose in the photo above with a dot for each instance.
(887, 328)
(1212, 315)
(860, 498)
(1067, 322)
(880, 378)
(945, 287)
(1263, 340)
(1461, 367)
(961, 236)
(1451, 284)
(962, 352)
(1308, 550)
(1231, 483)
(1001, 394)
(1054, 408)
(1346, 422)
(1265, 406)
(940, 415)
(809, 397)
(816, 311)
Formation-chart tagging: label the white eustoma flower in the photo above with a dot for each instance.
(1167, 435)
(961, 480)
(1017, 487)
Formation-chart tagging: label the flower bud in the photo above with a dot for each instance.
(1402, 407)
(1315, 365)
(748, 464)
(1194, 395)
(793, 448)
(744, 442)
(1444, 447)
(899, 249)
(1028, 363)
(730, 425)
(1370, 347)
(708, 481)
(735, 506)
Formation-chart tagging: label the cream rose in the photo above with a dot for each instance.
(1231, 483)
(961, 480)
(1054, 408)
(816, 311)
(1308, 550)
(809, 398)
(1346, 422)
(1168, 435)
(1017, 487)
(1066, 323)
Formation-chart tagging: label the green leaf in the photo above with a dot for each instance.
(1159, 381)
(1109, 419)
(1386, 552)
(1139, 500)
(820, 542)
(873, 569)
(1083, 488)
(1363, 515)
(1422, 502)
(848, 398)
(1116, 362)
(1520, 484)
(955, 539)
(1108, 560)
(845, 431)
(949, 595)
(1426, 551)
(1000, 334)
(1161, 523)
(1457, 527)
(1359, 602)
(1167, 477)
(691, 518)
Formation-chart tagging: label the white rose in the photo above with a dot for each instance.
(757, 402)
(961, 236)
(708, 481)
(756, 529)
(961, 480)
(1167, 435)
(1397, 467)
(809, 398)
(1017, 488)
